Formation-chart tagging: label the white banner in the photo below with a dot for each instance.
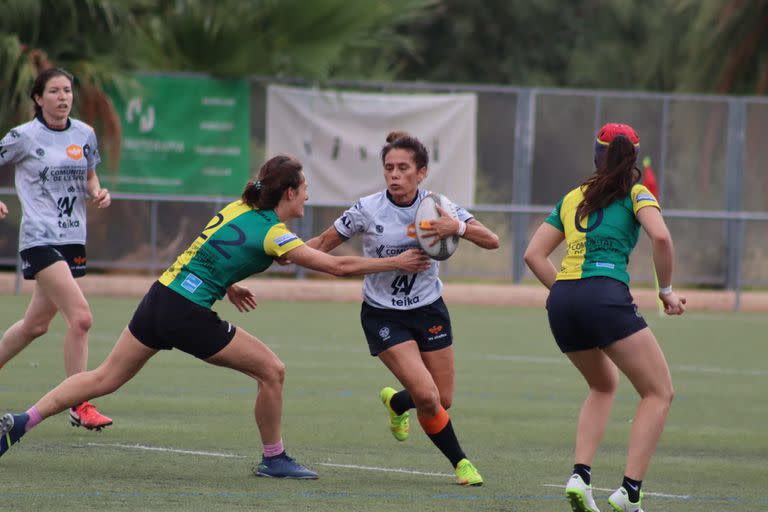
(338, 137)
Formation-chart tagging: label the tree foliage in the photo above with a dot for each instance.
(667, 45)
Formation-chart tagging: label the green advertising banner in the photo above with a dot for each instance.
(183, 136)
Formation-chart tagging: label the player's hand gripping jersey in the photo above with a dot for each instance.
(388, 230)
(602, 245)
(237, 243)
(51, 172)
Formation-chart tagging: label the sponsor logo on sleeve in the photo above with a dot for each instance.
(645, 197)
(284, 239)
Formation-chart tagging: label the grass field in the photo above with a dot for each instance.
(184, 438)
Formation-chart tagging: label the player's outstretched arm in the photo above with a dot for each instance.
(412, 260)
(326, 241)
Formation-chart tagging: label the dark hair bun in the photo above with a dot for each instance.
(397, 134)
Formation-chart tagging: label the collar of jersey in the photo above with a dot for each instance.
(416, 198)
(42, 120)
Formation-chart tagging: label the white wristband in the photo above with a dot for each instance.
(665, 290)
(462, 228)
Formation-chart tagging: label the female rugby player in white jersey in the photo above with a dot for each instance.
(55, 158)
(403, 314)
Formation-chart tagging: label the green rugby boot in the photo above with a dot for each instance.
(398, 424)
(467, 474)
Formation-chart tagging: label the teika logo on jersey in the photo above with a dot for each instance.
(65, 205)
(74, 152)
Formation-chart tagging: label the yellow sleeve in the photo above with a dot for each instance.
(279, 241)
(642, 197)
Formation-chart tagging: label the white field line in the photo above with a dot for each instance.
(235, 456)
(646, 493)
(345, 466)
(167, 450)
(384, 470)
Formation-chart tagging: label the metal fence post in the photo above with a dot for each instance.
(661, 169)
(305, 230)
(734, 169)
(521, 176)
(153, 236)
(17, 288)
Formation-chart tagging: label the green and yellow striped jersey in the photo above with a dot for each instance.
(602, 245)
(238, 242)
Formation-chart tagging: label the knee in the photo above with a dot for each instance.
(427, 399)
(607, 384)
(82, 321)
(275, 374)
(35, 329)
(668, 394)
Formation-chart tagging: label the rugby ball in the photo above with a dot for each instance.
(427, 212)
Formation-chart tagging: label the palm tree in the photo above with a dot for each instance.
(716, 46)
(314, 40)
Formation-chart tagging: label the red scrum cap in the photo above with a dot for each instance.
(610, 130)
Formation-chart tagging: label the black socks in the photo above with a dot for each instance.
(584, 471)
(401, 402)
(633, 488)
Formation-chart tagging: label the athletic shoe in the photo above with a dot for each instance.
(12, 427)
(466, 474)
(398, 424)
(579, 495)
(282, 466)
(619, 500)
(85, 415)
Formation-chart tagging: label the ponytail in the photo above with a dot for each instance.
(614, 178)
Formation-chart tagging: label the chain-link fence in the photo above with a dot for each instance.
(533, 146)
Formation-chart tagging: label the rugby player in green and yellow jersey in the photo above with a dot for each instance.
(242, 239)
(592, 314)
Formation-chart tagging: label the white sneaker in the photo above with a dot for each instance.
(579, 495)
(619, 500)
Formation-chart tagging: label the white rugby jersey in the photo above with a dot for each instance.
(388, 230)
(51, 172)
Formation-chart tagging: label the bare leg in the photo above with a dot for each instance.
(58, 285)
(404, 361)
(640, 358)
(602, 376)
(35, 323)
(250, 356)
(440, 365)
(126, 359)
